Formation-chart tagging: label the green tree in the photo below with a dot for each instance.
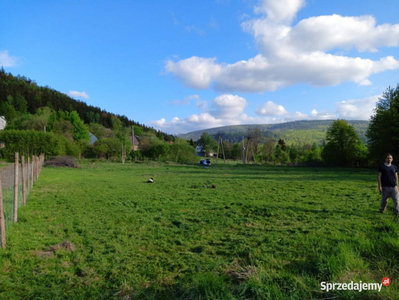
(8, 110)
(295, 151)
(268, 150)
(138, 130)
(152, 147)
(181, 151)
(20, 104)
(281, 142)
(342, 145)
(280, 156)
(98, 130)
(63, 127)
(383, 130)
(79, 131)
(108, 147)
(207, 142)
(236, 151)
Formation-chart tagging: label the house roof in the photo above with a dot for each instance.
(135, 141)
(93, 139)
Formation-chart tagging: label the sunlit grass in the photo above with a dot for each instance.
(262, 233)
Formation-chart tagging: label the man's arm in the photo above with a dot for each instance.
(379, 180)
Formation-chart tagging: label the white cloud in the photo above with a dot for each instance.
(280, 10)
(258, 74)
(302, 53)
(271, 109)
(191, 123)
(78, 94)
(357, 109)
(195, 71)
(226, 110)
(323, 33)
(6, 60)
(228, 106)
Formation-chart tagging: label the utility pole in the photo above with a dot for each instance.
(243, 151)
(217, 153)
(133, 138)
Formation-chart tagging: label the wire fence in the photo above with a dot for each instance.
(16, 182)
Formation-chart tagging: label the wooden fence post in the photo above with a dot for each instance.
(16, 187)
(34, 168)
(37, 168)
(2, 218)
(31, 174)
(23, 180)
(28, 179)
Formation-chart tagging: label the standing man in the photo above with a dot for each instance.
(388, 183)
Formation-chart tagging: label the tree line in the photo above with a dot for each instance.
(20, 95)
(342, 145)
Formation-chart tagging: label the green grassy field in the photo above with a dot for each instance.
(263, 233)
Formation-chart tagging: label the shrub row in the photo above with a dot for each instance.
(31, 142)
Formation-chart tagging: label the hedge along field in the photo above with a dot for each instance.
(102, 232)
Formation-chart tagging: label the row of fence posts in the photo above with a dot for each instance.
(30, 174)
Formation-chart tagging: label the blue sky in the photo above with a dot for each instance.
(181, 65)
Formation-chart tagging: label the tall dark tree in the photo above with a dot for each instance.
(344, 146)
(383, 131)
(281, 142)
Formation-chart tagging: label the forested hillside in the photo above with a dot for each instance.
(291, 132)
(19, 94)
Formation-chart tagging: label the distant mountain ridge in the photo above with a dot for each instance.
(291, 132)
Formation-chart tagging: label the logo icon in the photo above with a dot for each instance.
(386, 281)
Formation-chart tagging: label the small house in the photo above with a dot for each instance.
(3, 123)
(135, 142)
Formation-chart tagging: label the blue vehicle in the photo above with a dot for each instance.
(205, 162)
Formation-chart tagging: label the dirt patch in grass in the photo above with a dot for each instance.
(65, 245)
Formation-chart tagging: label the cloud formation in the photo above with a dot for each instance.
(228, 106)
(271, 109)
(195, 71)
(226, 109)
(303, 53)
(357, 109)
(229, 109)
(6, 60)
(279, 11)
(78, 94)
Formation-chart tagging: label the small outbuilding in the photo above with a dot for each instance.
(3, 122)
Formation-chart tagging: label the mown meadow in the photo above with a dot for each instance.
(264, 232)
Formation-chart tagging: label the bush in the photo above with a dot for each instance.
(63, 161)
(31, 142)
(182, 152)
